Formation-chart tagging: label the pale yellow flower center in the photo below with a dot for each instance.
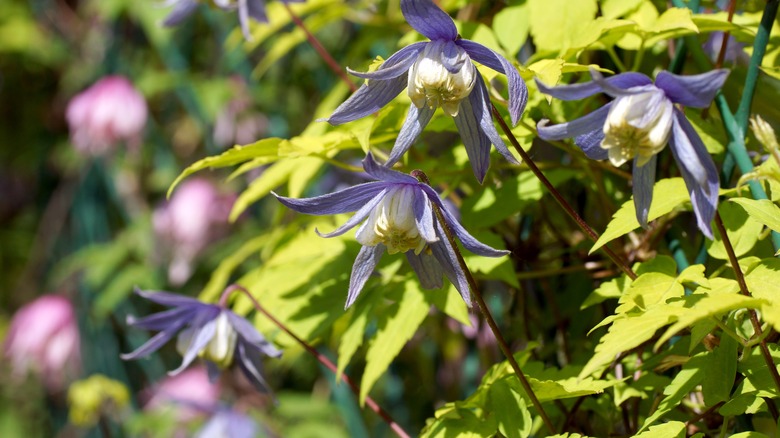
(392, 223)
(638, 125)
(431, 84)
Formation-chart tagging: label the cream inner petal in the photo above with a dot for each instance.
(637, 125)
(392, 223)
(432, 85)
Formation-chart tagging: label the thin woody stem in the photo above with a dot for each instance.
(744, 290)
(319, 356)
(558, 198)
(503, 345)
(321, 50)
(726, 35)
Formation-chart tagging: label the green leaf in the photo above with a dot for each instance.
(619, 8)
(304, 288)
(750, 434)
(719, 372)
(763, 210)
(668, 194)
(743, 232)
(763, 281)
(493, 205)
(742, 404)
(352, 338)
(702, 306)
(451, 303)
(684, 382)
(265, 148)
(221, 275)
(286, 42)
(609, 289)
(672, 429)
(555, 23)
(627, 332)
(758, 379)
(673, 19)
(273, 177)
(451, 421)
(396, 326)
(511, 26)
(509, 409)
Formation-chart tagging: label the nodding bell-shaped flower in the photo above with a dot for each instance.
(209, 331)
(392, 224)
(441, 79)
(219, 349)
(438, 73)
(638, 124)
(399, 216)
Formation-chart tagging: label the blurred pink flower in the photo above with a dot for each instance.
(190, 393)
(44, 339)
(108, 111)
(196, 215)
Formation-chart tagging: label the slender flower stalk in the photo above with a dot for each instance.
(317, 355)
(483, 308)
(320, 49)
(587, 229)
(744, 291)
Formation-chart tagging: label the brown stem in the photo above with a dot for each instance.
(744, 290)
(726, 35)
(701, 415)
(503, 345)
(559, 198)
(319, 356)
(315, 43)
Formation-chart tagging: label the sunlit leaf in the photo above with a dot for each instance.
(668, 194)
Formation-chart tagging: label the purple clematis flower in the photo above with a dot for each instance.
(637, 125)
(400, 218)
(436, 73)
(206, 330)
(246, 9)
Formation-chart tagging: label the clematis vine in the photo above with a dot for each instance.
(438, 73)
(638, 124)
(247, 9)
(210, 331)
(399, 218)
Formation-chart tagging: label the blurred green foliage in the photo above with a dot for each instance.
(606, 355)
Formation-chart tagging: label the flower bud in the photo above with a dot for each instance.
(638, 125)
(443, 75)
(764, 133)
(392, 223)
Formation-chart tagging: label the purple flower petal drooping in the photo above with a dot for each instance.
(247, 9)
(399, 217)
(638, 124)
(209, 331)
(438, 73)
